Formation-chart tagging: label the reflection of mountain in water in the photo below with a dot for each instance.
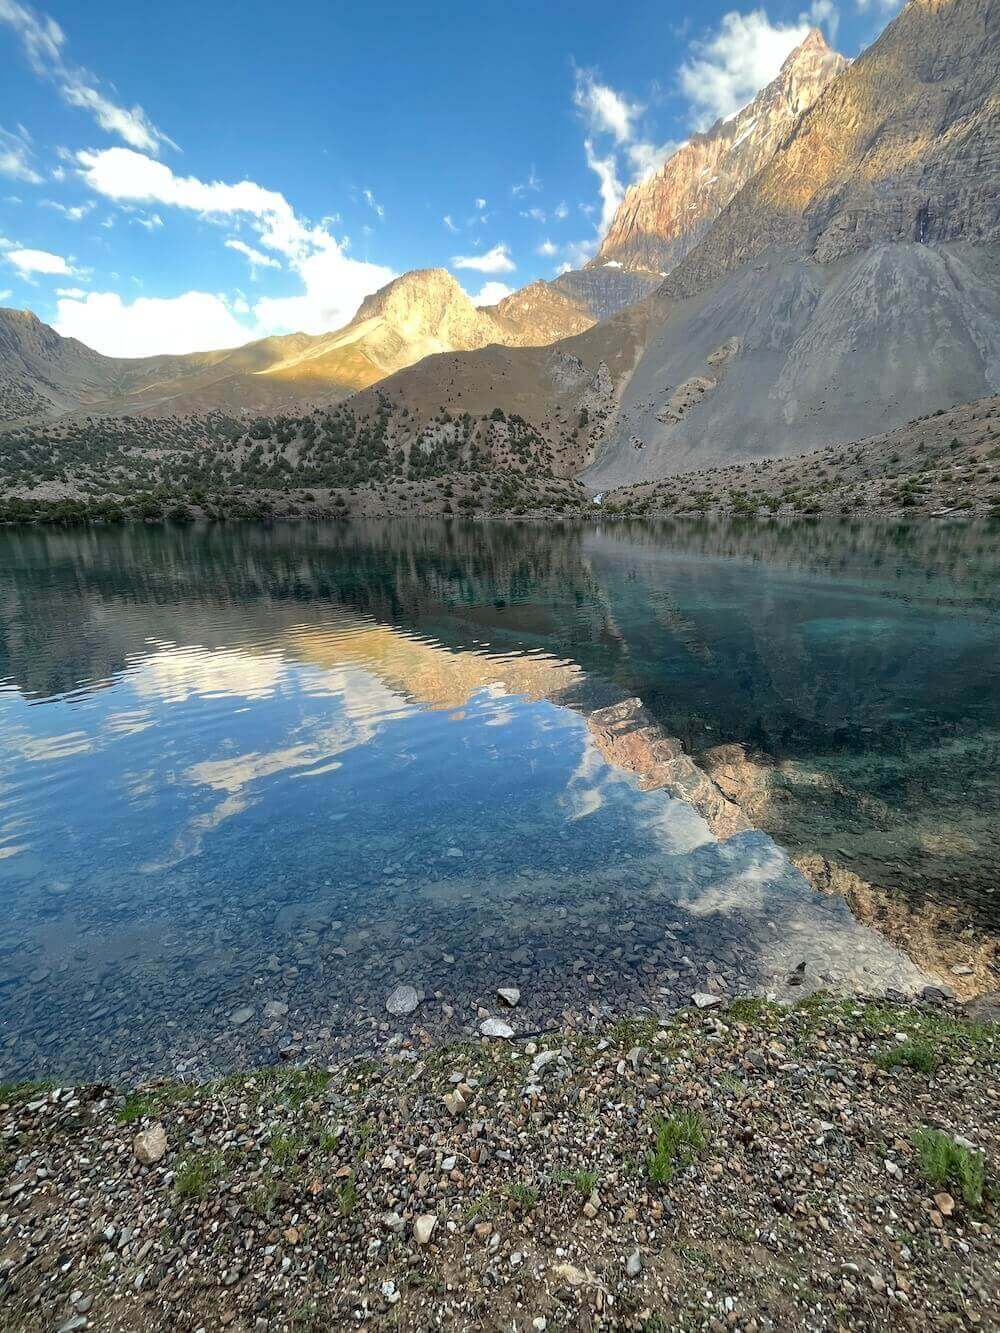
(855, 666)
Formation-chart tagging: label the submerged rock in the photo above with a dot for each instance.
(402, 999)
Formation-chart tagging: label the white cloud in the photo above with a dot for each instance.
(490, 293)
(534, 214)
(611, 191)
(447, 220)
(6, 294)
(878, 6)
(44, 43)
(257, 258)
(193, 322)
(15, 155)
(334, 284)
(480, 203)
(728, 68)
(605, 111)
(560, 211)
(496, 260)
(37, 261)
(74, 293)
(547, 249)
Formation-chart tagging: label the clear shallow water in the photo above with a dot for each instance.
(301, 764)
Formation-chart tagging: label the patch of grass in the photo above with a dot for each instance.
(919, 1055)
(679, 1139)
(585, 1182)
(945, 1162)
(631, 1031)
(293, 1086)
(522, 1196)
(263, 1200)
(153, 1101)
(196, 1172)
(285, 1148)
(12, 1094)
(347, 1196)
(752, 1009)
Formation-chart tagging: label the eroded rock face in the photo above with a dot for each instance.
(664, 217)
(903, 147)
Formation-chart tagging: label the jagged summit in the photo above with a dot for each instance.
(662, 218)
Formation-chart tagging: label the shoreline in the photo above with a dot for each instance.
(743, 1166)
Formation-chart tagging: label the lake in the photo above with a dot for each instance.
(254, 777)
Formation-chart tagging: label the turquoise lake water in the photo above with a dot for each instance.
(292, 766)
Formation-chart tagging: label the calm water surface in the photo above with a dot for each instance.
(302, 763)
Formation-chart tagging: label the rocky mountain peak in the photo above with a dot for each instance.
(662, 218)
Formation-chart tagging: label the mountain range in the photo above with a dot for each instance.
(819, 267)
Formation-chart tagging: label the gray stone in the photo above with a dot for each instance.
(275, 1009)
(423, 1228)
(241, 1015)
(633, 1265)
(703, 1000)
(509, 994)
(402, 999)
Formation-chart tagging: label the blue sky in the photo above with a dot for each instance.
(184, 176)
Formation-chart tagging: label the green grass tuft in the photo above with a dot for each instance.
(196, 1172)
(945, 1162)
(918, 1055)
(679, 1139)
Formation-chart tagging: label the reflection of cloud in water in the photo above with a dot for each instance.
(587, 784)
(365, 705)
(679, 828)
(174, 675)
(128, 723)
(42, 749)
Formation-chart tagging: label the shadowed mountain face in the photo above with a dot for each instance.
(664, 217)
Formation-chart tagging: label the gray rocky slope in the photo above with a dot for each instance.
(853, 284)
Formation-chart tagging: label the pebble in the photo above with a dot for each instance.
(241, 1015)
(423, 1228)
(509, 994)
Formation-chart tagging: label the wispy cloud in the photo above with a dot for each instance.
(256, 258)
(497, 260)
(71, 212)
(605, 111)
(44, 44)
(372, 202)
(16, 155)
(531, 185)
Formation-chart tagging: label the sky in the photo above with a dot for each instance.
(181, 177)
